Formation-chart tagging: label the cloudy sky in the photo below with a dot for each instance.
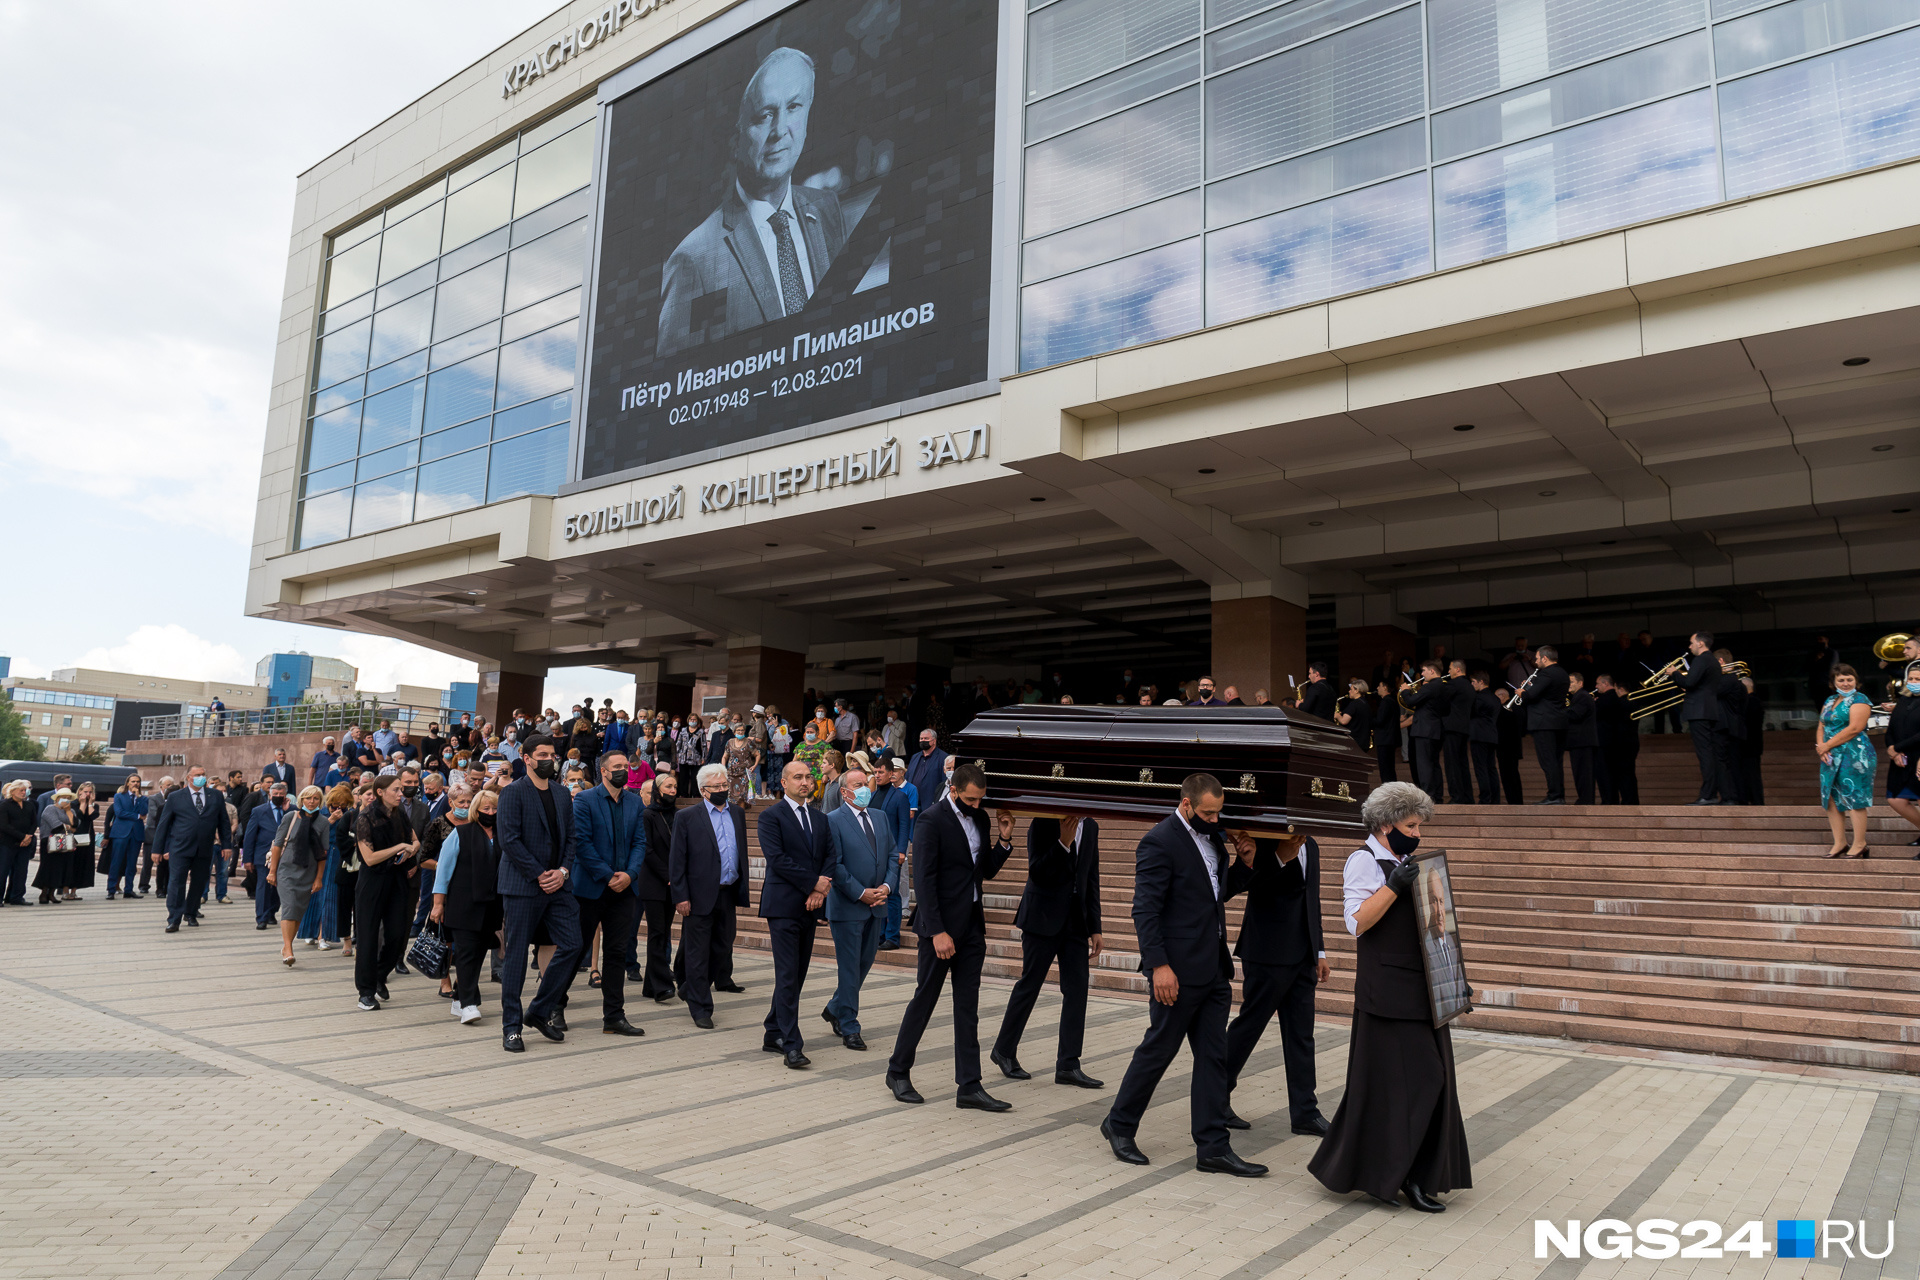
(151, 151)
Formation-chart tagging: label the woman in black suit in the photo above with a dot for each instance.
(1398, 1128)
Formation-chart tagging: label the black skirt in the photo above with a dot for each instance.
(1399, 1119)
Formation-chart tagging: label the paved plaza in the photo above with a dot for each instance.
(184, 1106)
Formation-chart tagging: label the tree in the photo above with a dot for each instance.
(88, 754)
(14, 742)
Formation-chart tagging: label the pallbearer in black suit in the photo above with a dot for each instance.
(1179, 916)
(799, 857)
(952, 856)
(1282, 960)
(1059, 919)
(1398, 1128)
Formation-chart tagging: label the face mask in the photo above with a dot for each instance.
(543, 768)
(463, 762)
(618, 777)
(1402, 843)
(460, 813)
(1913, 686)
(739, 733)
(484, 819)
(309, 808)
(676, 724)
(199, 783)
(862, 796)
(1201, 824)
(409, 792)
(810, 737)
(718, 799)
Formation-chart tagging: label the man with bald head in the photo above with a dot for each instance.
(762, 253)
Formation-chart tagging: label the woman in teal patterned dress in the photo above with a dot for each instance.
(1847, 761)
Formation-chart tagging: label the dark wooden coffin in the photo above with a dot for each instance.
(1282, 770)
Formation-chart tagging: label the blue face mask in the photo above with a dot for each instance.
(460, 814)
(863, 796)
(199, 783)
(309, 808)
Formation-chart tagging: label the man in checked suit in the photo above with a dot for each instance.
(1059, 919)
(535, 834)
(952, 857)
(192, 824)
(799, 858)
(707, 872)
(1282, 960)
(1179, 916)
(866, 880)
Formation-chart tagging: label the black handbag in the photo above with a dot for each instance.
(430, 952)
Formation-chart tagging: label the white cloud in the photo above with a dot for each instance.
(386, 663)
(169, 650)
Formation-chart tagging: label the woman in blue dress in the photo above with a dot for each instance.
(1847, 762)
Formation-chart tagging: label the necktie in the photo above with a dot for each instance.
(867, 827)
(805, 826)
(793, 290)
(200, 801)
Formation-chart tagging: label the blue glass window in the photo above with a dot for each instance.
(1141, 154)
(324, 519)
(462, 392)
(534, 463)
(469, 299)
(555, 262)
(334, 437)
(398, 372)
(383, 504)
(453, 484)
(343, 354)
(467, 435)
(539, 365)
(539, 413)
(392, 416)
(1139, 299)
(403, 329)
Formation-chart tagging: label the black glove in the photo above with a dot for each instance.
(1401, 878)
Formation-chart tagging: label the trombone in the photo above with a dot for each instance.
(1658, 693)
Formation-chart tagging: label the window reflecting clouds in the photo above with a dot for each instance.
(1139, 299)
(1368, 237)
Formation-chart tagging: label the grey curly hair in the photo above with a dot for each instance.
(1392, 803)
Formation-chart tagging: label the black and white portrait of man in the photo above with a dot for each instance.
(761, 254)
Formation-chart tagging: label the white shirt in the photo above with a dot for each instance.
(973, 836)
(1362, 878)
(1208, 854)
(805, 819)
(762, 214)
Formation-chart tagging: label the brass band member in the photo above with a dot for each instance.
(1428, 700)
(1398, 1128)
(1729, 729)
(1701, 711)
(1544, 696)
(1356, 714)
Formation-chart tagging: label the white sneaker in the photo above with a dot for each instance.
(469, 1015)
(324, 946)
(457, 1011)
(313, 942)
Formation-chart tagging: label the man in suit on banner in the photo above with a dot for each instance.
(762, 253)
(799, 861)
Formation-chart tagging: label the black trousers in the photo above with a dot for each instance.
(1426, 768)
(470, 946)
(1284, 991)
(1619, 784)
(613, 914)
(1388, 759)
(1486, 771)
(1548, 747)
(706, 943)
(1726, 766)
(1583, 758)
(1510, 775)
(1199, 1017)
(1459, 784)
(1037, 952)
(969, 957)
(1705, 757)
(1753, 788)
(657, 979)
(792, 944)
(382, 907)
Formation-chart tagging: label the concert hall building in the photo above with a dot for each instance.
(1226, 334)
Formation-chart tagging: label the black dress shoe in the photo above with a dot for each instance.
(832, 1021)
(512, 1042)
(973, 1098)
(773, 1044)
(1123, 1146)
(705, 1024)
(193, 922)
(1314, 1126)
(797, 1059)
(546, 1028)
(1010, 1066)
(633, 973)
(621, 1028)
(854, 1042)
(1549, 800)
(173, 928)
(1421, 1200)
(903, 1090)
(1230, 1163)
(731, 988)
(1235, 1122)
(558, 1020)
(1080, 1079)
(1692, 803)
(888, 946)
(400, 967)
(665, 997)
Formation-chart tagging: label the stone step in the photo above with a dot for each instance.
(1701, 903)
(1868, 938)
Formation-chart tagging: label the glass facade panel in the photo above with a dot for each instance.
(539, 316)
(346, 313)
(538, 413)
(462, 392)
(402, 330)
(334, 438)
(1318, 173)
(335, 396)
(547, 217)
(396, 373)
(1114, 91)
(383, 504)
(475, 170)
(327, 481)
(456, 440)
(1640, 164)
(1141, 154)
(1287, 25)
(392, 416)
(1844, 110)
(563, 165)
(387, 461)
(1076, 40)
(1654, 72)
(470, 299)
(324, 519)
(473, 211)
(553, 263)
(473, 341)
(352, 273)
(452, 485)
(1354, 241)
(1145, 227)
(533, 463)
(1803, 27)
(413, 242)
(1351, 82)
(1479, 46)
(537, 366)
(1139, 299)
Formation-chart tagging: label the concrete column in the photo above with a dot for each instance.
(502, 689)
(1373, 634)
(657, 689)
(758, 673)
(1258, 641)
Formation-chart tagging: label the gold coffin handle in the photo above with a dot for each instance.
(1248, 784)
(1319, 792)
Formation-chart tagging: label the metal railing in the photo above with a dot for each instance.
(305, 717)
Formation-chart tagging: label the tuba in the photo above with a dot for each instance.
(1891, 647)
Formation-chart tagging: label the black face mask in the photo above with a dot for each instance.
(543, 768)
(1202, 826)
(718, 799)
(618, 777)
(409, 792)
(485, 820)
(665, 801)
(1401, 843)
